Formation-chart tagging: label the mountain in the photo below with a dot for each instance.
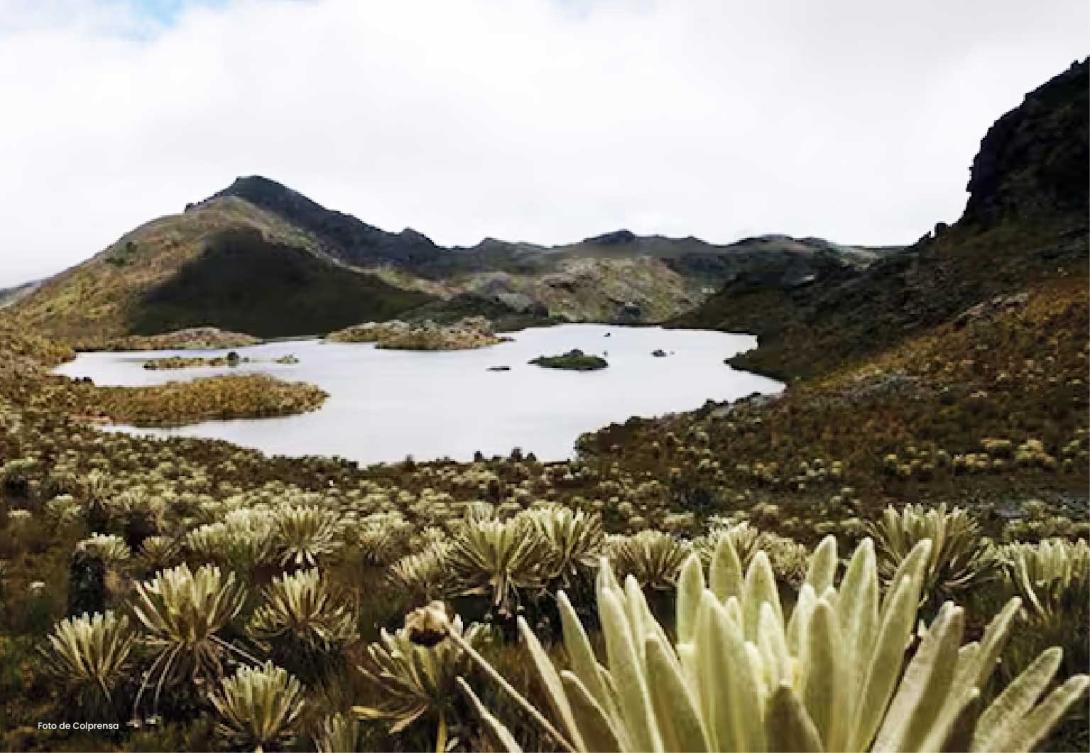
(340, 235)
(223, 263)
(616, 276)
(953, 372)
(261, 258)
(1024, 226)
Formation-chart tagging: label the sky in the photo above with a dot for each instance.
(535, 120)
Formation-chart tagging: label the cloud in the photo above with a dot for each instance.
(541, 120)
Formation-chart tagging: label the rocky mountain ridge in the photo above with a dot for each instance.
(261, 258)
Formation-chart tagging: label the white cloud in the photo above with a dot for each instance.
(541, 120)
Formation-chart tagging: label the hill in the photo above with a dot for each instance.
(614, 277)
(223, 263)
(955, 370)
(8, 296)
(261, 258)
(1024, 224)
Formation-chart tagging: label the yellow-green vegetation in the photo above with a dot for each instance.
(191, 362)
(471, 332)
(224, 263)
(258, 707)
(959, 559)
(417, 684)
(90, 655)
(217, 598)
(194, 338)
(234, 561)
(991, 413)
(205, 399)
(745, 674)
(1050, 577)
(90, 304)
(573, 360)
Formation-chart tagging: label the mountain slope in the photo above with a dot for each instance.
(8, 296)
(1025, 223)
(617, 276)
(340, 235)
(954, 372)
(260, 258)
(222, 263)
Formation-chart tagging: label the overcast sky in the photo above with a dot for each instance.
(539, 120)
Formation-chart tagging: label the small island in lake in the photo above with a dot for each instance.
(192, 362)
(470, 332)
(573, 360)
(194, 338)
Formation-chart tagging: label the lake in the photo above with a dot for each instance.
(387, 404)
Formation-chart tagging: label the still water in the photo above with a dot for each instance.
(387, 404)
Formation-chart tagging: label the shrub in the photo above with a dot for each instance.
(653, 558)
(417, 682)
(304, 534)
(258, 707)
(575, 540)
(498, 558)
(423, 576)
(242, 541)
(960, 558)
(183, 612)
(112, 550)
(301, 609)
(90, 656)
(1050, 577)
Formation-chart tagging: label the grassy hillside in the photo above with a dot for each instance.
(8, 296)
(245, 283)
(222, 263)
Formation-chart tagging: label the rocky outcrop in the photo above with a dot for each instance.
(340, 235)
(469, 333)
(195, 338)
(1034, 158)
(194, 362)
(1025, 224)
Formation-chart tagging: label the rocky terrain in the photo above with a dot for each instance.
(224, 264)
(263, 259)
(195, 338)
(191, 362)
(464, 334)
(1014, 237)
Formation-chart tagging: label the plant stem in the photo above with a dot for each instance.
(441, 734)
(499, 680)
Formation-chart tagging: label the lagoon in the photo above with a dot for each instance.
(385, 405)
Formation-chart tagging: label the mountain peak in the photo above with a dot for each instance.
(341, 235)
(615, 238)
(268, 194)
(1033, 159)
